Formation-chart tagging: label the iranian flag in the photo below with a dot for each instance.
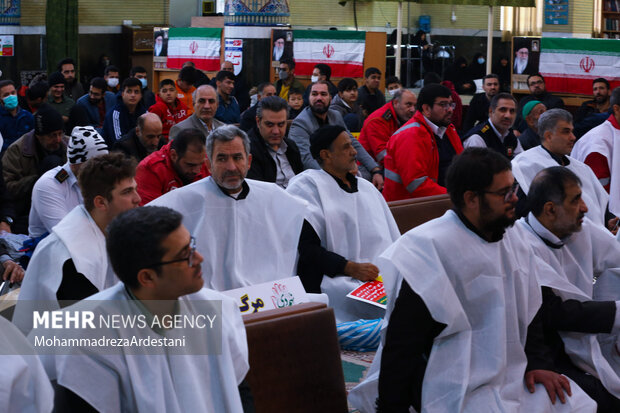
(200, 45)
(570, 65)
(342, 51)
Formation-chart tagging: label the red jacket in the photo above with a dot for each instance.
(412, 160)
(377, 129)
(155, 175)
(169, 116)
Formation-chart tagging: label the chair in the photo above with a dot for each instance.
(409, 213)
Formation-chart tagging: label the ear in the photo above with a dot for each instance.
(174, 156)
(324, 154)
(471, 199)
(146, 278)
(257, 121)
(137, 131)
(249, 160)
(549, 209)
(100, 202)
(426, 109)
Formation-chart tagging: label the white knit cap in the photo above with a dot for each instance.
(85, 143)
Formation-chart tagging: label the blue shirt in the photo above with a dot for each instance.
(13, 127)
(228, 112)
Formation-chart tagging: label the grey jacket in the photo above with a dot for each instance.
(193, 122)
(305, 124)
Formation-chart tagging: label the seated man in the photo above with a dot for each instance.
(57, 98)
(531, 113)
(97, 103)
(31, 156)
(247, 230)
(71, 263)
(496, 132)
(478, 110)
(142, 140)
(248, 118)
(382, 123)
(419, 153)
(579, 252)
(124, 115)
(168, 107)
(227, 108)
(349, 225)
(155, 257)
(57, 191)
(556, 128)
(464, 338)
(345, 103)
(593, 112)
(176, 164)
(203, 118)
(275, 158)
(15, 121)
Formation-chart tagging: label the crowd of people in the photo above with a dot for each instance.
(508, 302)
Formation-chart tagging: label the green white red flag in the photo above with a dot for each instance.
(570, 65)
(200, 45)
(343, 51)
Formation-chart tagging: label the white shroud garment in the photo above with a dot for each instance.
(24, 386)
(153, 383)
(526, 165)
(487, 295)
(244, 242)
(592, 252)
(358, 226)
(76, 237)
(603, 139)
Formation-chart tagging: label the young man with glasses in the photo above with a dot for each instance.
(155, 257)
(419, 153)
(71, 263)
(461, 328)
(538, 90)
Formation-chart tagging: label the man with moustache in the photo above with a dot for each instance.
(467, 336)
(97, 102)
(176, 164)
(205, 104)
(238, 223)
(496, 133)
(318, 114)
(556, 129)
(538, 91)
(478, 110)
(531, 113)
(419, 153)
(593, 112)
(144, 139)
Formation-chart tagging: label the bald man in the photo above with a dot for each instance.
(142, 140)
(205, 106)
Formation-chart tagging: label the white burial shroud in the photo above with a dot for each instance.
(526, 165)
(592, 252)
(166, 383)
(76, 237)
(24, 386)
(487, 294)
(603, 139)
(244, 242)
(358, 226)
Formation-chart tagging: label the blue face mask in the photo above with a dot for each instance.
(10, 102)
(480, 60)
(144, 83)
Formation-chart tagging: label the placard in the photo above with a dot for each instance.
(269, 296)
(371, 292)
(7, 45)
(233, 52)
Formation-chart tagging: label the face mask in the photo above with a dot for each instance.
(283, 75)
(144, 83)
(10, 102)
(480, 60)
(392, 92)
(253, 100)
(314, 79)
(112, 82)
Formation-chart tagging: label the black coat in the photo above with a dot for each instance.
(263, 166)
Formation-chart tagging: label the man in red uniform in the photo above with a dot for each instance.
(383, 122)
(419, 153)
(168, 107)
(176, 164)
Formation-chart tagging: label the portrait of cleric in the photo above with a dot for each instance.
(282, 45)
(160, 43)
(526, 56)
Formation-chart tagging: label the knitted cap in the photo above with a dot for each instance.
(47, 120)
(56, 78)
(85, 143)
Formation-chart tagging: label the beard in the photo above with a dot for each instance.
(497, 225)
(520, 64)
(277, 52)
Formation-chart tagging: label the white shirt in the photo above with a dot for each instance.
(477, 141)
(52, 200)
(437, 130)
(284, 170)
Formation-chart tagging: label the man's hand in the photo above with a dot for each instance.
(5, 227)
(554, 383)
(364, 271)
(12, 271)
(612, 225)
(377, 181)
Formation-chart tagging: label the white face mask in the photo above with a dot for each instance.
(392, 92)
(314, 79)
(112, 82)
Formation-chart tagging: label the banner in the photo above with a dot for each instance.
(233, 52)
(200, 45)
(343, 51)
(570, 65)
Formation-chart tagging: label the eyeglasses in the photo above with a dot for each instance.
(505, 193)
(446, 105)
(189, 258)
(536, 82)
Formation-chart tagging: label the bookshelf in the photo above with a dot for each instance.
(610, 19)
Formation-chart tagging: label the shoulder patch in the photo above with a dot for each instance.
(485, 128)
(387, 115)
(62, 176)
